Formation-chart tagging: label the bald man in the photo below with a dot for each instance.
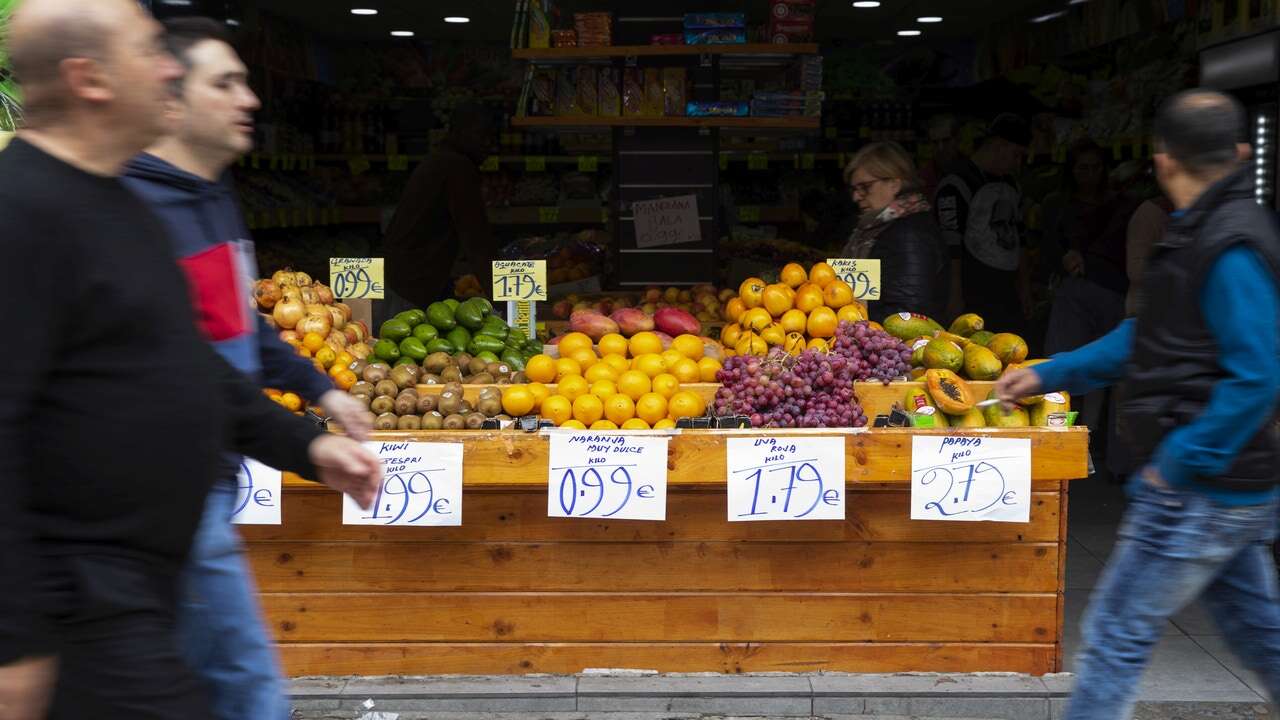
(116, 414)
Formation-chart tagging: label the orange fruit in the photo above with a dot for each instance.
(633, 384)
(734, 309)
(326, 355)
(776, 299)
(635, 424)
(572, 386)
(651, 364)
(819, 344)
(573, 342)
(613, 344)
(731, 332)
(809, 297)
(707, 369)
(873, 325)
(686, 371)
(755, 319)
(670, 358)
(651, 407)
(617, 361)
(291, 401)
(643, 343)
(664, 424)
(565, 367)
(584, 358)
(822, 323)
(313, 341)
(850, 313)
(557, 409)
(793, 321)
(773, 334)
(686, 403)
(751, 344)
(303, 352)
(619, 409)
(689, 346)
(793, 275)
(541, 368)
(517, 401)
(751, 292)
(821, 274)
(344, 359)
(345, 379)
(587, 408)
(573, 425)
(666, 385)
(837, 294)
(600, 371)
(794, 344)
(603, 425)
(603, 389)
(540, 394)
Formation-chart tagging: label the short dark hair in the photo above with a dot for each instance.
(1200, 128)
(1010, 128)
(183, 33)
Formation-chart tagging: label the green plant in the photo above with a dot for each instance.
(10, 97)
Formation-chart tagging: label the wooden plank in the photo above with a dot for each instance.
(302, 659)
(521, 516)
(660, 617)
(1062, 578)
(747, 123)
(654, 567)
(578, 53)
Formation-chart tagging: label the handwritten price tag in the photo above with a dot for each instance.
(421, 487)
(519, 280)
(257, 494)
(602, 475)
(861, 275)
(588, 163)
(757, 161)
(535, 163)
(786, 478)
(357, 278)
(549, 215)
(749, 213)
(490, 164)
(970, 478)
(667, 221)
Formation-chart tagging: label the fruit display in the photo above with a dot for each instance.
(638, 313)
(311, 321)
(452, 328)
(812, 389)
(801, 311)
(395, 403)
(570, 257)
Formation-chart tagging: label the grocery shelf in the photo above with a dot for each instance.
(547, 215)
(582, 53)
(745, 123)
(312, 216)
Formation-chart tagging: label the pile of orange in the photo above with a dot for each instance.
(801, 310)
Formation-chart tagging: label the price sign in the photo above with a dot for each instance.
(757, 161)
(357, 278)
(490, 164)
(519, 280)
(861, 275)
(549, 215)
(806, 161)
(535, 163)
(257, 494)
(421, 486)
(667, 221)
(588, 163)
(970, 478)
(605, 475)
(749, 213)
(359, 165)
(398, 163)
(786, 478)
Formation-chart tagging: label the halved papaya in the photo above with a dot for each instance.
(949, 392)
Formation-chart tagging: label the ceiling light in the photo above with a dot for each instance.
(363, 11)
(867, 4)
(1048, 17)
(401, 33)
(929, 19)
(179, 3)
(233, 22)
(908, 33)
(457, 19)
(1077, 2)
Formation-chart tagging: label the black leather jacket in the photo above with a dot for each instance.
(915, 268)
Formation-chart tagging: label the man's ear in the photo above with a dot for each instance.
(87, 80)
(1244, 151)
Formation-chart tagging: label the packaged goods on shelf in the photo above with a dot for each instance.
(666, 39)
(714, 20)
(791, 9)
(674, 91)
(782, 32)
(633, 92)
(807, 73)
(564, 38)
(721, 36)
(776, 104)
(594, 29)
(540, 19)
(566, 93)
(609, 96)
(587, 80)
(652, 101)
(717, 108)
(544, 92)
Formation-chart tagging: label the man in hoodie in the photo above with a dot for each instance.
(441, 213)
(184, 179)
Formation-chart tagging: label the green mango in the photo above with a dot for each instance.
(426, 332)
(483, 303)
(441, 345)
(469, 315)
(405, 361)
(452, 303)
(394, 330)
(487, 356)
(460, 337)
(480, 343)
(494, 326)
(441, 317)
(515, 360)
(414, 348)
(386, 349)
(414, 317)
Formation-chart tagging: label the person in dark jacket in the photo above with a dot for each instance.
(897, 228)
(184, 178)
(1201, 372)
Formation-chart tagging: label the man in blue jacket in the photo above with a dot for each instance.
(184, 179)
(1201, 371)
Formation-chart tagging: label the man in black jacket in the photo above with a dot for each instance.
(115, 414)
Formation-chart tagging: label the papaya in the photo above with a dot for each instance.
(980, 363)
(970, 419)
(1008, 347)
(917, 374)
(1054, 402)
(917, 350)
(943, 355)
(949, 392)
(982, 337)
(997, 416)
(905, 326)
(918, 402)
(1030, 399)
(959, 340)
(967, 324)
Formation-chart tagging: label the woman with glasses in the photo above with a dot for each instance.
(897, 229)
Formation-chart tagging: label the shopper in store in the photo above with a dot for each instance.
(1201, 376)
(115, 415)
(978, 210)
(897, 228)
(944, 146)
(184, 178)
(442, 215)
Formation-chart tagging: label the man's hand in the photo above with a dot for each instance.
(1018, 384)
(1073, 262)
(350, 414)
(26, 687)
(346, 466)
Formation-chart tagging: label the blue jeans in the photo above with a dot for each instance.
(220, 626)
(1174, 547)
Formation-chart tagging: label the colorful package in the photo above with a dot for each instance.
(540, 23)
(567, 92)
(722, 36)
(544, 92)
(609, 95)
(587, 80)
(717, 108)
(666, 39)
(632, 92)
(564, 38)
(674, 90)
(712, 20)
(791, 9)
(652, 102)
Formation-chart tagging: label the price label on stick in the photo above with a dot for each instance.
(421, 486)
(357, 278)
(515, 280)
(786, 478)
(607, 475)
(861, 275)
(970, 478)
(257, 494)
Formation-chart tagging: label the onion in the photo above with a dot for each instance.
(336, 339)
(309, 295)
(336, 315)
(321, 325)
(270, 321)
(323, 293)
(267, 293)
(316, 309)
(346, 310)
(284, 278)
(302, 279)
(290, 336)
(355, 331)
(288, 312)
(291, 293)
(359, 350)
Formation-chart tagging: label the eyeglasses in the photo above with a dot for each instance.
(864, 188)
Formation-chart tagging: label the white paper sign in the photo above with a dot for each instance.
(607, 475)
(667, 221)
(257, 494)
(970, 478)
(786, 478)
(421, 486)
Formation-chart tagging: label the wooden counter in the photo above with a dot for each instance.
(512, 591)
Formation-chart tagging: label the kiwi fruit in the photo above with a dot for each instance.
(382, 404)
(462, 360)
(494, 368)
(504, 380)
(483, 378)
(358, 365)
(363, 399)
(519, 378)
(386, 421)
(409, 391)
(370, 418)
(450, 402)
(453, 387)
(455, 422)
(409, 422)
(503, 417)
(432, 421)
(427, 403)
(402, 376)
(363, 388)
(465, 407)
(451, 374)
(376, 373)
(387, 387)
(490, 407)
(466, 379)
(490, 392)
(477, 366)
(405, 405)
(435, 362)
(429, 379)
(475, 421)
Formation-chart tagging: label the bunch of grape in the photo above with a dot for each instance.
(873, 354)
(812, 390)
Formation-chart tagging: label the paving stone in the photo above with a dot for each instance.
(317, 687)
(1181, 670)
(950, 685)
(1016, 708)
(697, 685)
(784, 705)
(460, 687)
(513, 704)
